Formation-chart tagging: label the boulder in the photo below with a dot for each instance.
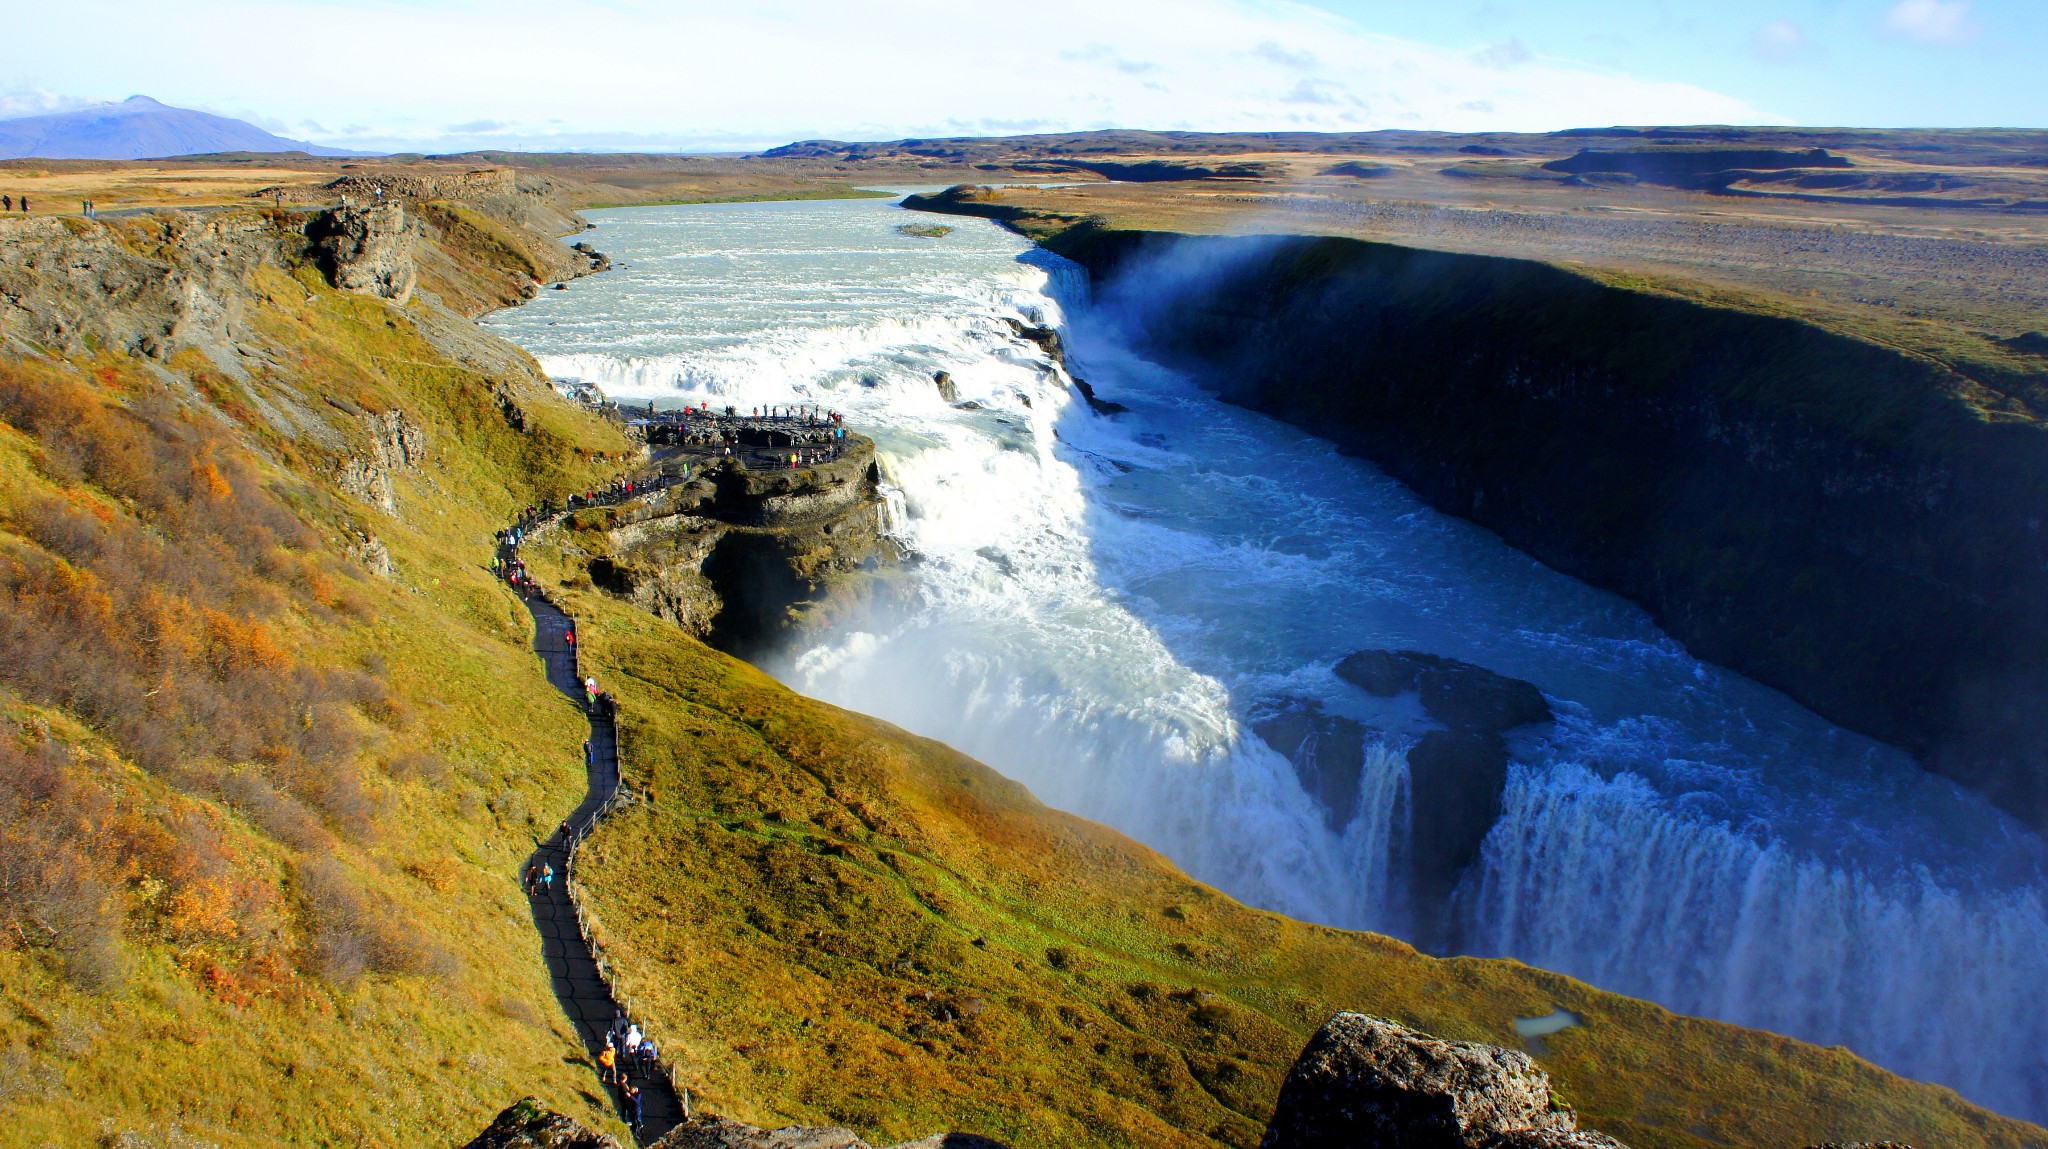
(527, 1124)
(1367, 1083)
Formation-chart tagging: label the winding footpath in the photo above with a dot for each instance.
(578, 977)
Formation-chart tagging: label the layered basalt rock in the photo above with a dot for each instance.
(1367, 1083)
(368, 249)
(743, 558)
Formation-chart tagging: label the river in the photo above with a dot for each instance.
(1102, 603)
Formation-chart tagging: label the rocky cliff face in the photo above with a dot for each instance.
(1365, 1083)
(392, 444)
(368, 249)
(743, 558)
(1854, 525)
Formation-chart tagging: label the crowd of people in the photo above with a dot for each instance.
(792, 436)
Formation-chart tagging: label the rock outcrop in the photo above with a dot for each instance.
(394, 444)
(1455, 775)
(368, 249)
(1366, 1083)
(707, 1132)
(742, 557)
(527, 1124)
(1327, 752)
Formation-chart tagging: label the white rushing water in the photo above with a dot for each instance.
(1101, 601)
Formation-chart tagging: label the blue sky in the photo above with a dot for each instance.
(1851, 62)
(738, 75)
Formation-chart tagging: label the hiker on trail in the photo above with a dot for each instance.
(608, 1062)
(547, 877)
(6, 203)
(590, 693)
(634, 1115)
(589, 754)
(564, 831)
(632, 1046)
(24, 203)
(532, 880)
(650, 1058)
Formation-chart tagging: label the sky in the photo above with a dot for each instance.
(445, 75)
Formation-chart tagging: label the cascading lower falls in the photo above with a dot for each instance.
(1102, 604)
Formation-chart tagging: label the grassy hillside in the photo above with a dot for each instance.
(260, 807)
(830, 920)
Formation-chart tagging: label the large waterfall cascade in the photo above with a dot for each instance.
(1102, 601)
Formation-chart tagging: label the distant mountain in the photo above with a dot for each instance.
(139, 128)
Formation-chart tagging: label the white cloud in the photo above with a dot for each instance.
(1779, 41)
(1503, 55)
(17, 102)
(1932, 21)
(697, 73)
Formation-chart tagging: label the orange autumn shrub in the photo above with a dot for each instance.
(144, 594)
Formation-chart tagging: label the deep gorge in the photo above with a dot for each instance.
(1856, 526)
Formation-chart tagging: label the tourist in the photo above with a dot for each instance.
(6, 203)
(633, 1039)
(650, 1058)
(634, 1116)
(547, 877)
(608, 1062)
(24, 203)
(590, 693)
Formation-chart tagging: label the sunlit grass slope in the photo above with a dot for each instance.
(831, 920)
(260, 809)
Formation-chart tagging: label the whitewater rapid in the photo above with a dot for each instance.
(1101, 601)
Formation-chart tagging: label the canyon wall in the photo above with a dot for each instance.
(1855, 525)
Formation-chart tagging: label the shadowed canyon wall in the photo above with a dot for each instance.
(1855, 525)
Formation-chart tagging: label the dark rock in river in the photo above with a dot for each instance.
(1326, 750)
(1455, 776)
(1366, 1083)
(1458, 694)
(947, 389)
(1455, 780)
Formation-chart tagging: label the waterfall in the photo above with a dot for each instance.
(1100, 604)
